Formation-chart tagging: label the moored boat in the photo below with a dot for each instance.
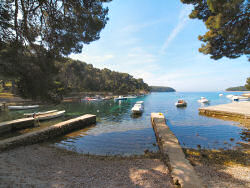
(50, 115)
(91, 99)
(181, 103)
(137, 109)
(235, 98)
(203, 100)
(229, 96)
(22, 107)
(131, 97)
(39, 113)
(220, 94)
(140, 102)
(120, 98)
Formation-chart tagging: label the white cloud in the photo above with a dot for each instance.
(183, 20)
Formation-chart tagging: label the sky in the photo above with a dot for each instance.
(156, 41)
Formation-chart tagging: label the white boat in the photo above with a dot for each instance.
(181, 103)
(91, 99)
(131, 97)
(39, 113)
(50, 116)
(22, 107)
(203, 100)
(221, 95)
(229, 96)
(120, 98)
(140, 102)
(137, 109)
(235, 98)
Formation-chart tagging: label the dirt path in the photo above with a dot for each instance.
(43, 166)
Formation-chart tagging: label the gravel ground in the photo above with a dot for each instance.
(44, 166)
(219, 176)
(220, 169)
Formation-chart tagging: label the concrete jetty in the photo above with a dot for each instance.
(182, 171)
(235, 109)
(8, 126)
(48, 132)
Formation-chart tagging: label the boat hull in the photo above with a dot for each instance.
(180, 104)
(22, 107)
(50, 116)
(39, 113)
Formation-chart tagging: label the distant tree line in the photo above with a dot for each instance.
(239, 88)
(161, 89)
(248, 84)
(77, 76)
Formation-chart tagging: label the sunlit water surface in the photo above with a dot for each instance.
(118, 133)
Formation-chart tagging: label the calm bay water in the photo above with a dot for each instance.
(118, 133)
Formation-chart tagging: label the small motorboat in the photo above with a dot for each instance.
(181, 103)
(131, 97)
(220, 94)
(229, 96)
(49, 116)
(203, 100)
(106, 98)
(235, 98)
(39, 113)
(140, 102)
(22, 107)
(137, 109)
(120, 98)
(92, 99)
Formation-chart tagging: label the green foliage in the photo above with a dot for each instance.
(248, 84)
(161, 89)
(79, 76)
(227, 22)
(36, 34)
(239, 88)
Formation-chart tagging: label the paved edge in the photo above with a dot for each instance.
(215, 110)
(48, 132)
(182, 171)
(211, 112)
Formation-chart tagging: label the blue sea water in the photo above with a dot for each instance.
(118, 133)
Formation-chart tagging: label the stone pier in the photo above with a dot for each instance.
(23, 123)
(182, 171)
(48, 132)
(235, 109)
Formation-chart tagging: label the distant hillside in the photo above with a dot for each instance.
(161, 89)
(239, 88)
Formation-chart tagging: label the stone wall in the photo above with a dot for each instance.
(16, 124)
(48, 132)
